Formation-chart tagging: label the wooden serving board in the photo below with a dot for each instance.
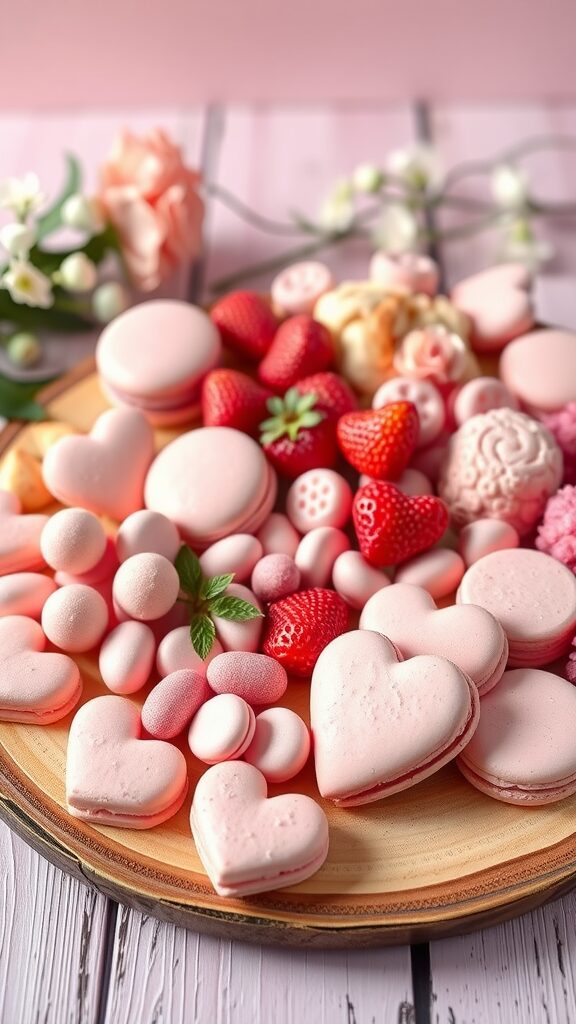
(437, 859)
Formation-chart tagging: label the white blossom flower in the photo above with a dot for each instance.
(21, 195)
(417, 166)
(509, 186)
(397, 230)
(85, 213)
(521, 245)
(27, 285)
(109, 300)
(367, 178)
(336, 215)
(17, 239)
(76, 273)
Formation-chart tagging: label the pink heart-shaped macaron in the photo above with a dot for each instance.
(35, 687)
(103, 472)
(380, 725)
(408, 616)
(249, 843)
(19, 537)
(499, 303)
(115, 778)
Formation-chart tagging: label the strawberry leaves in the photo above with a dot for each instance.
(207, 599)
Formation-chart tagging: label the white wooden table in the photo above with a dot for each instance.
(69, 955)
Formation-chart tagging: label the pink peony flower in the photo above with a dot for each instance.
(557, 531)
(434, 353)
(562, 424)
(152, 200)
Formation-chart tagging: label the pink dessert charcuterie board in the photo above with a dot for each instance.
(435, 859)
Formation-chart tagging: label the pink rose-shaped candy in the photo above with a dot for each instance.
(152, 200)
(435, 353)
(562, 425)
(557, 531)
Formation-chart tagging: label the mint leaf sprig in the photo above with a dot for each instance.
(207, 600)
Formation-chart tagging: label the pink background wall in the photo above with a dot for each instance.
(74, 53)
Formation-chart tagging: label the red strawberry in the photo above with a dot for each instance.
(380, 442)
(392, 527)
(232, 399)
(333, 395)
(297, 436)
(300, 626)
(301, 346)
(246, 323)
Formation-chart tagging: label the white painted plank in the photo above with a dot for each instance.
(52, 940)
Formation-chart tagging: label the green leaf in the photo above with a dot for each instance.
(28, 318)
(202, 635)
(17, 400)
(49, 260)
(52, 219)
(189, 572)
(234, 608)
(275, 405)
(215, 585)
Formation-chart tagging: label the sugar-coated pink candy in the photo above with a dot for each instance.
(320, 497)
(237, 553)
(146, 586)
(277, 536)
(412, 482)
(424, 395)
(280, 745)
(240, 636)
(25, 593)
(127, 656)
(484, 536)
(73, 540)
(297, 288)
(173, 702)
(75, 618)
(221, 729)
(256, 678)
(409, 271)
(103, 570)
(480, 395)
(356, 580)
(175, 652)
(316, 554)
(438, 571)
(146, 531)
(274, 577)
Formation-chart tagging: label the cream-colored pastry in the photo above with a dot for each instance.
(21, 474)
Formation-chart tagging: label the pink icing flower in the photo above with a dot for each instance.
(152, 200)
(562, 425)
(557, 531)
(435, 353)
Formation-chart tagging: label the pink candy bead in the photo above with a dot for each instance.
(256, 678)
(237, 553)
(280, 745)
(484, 536)
(146, 586)
(175, 652)
(147, 531)
(424, 395)
(74, 618)
(73, 541)
(356, 580)
(278, 537)
(221, 729)
(298, 288)
(317, 552)
(320, 497)
(173, 702)
(127, 656)
(438, 571)
(275, 576)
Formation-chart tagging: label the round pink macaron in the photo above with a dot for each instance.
(274, 577)
(236, 554)
(480, 395)
(438, 571)
(540, 369)
(155, 356)
(127, 656)
(144, 532)
(172, 703)
(424, 395)
(483, 536)
(320, 497)
(25, 593)
(407, 271)
(221, 729)
(212, 482)
(75, 618)
(297, 288)
(280, 745)
(175, 652)
(356, 580)
(256, 678)
(146, 586)
(73, 540)
(277, 536)
(316, 554)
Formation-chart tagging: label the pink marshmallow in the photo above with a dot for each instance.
(146, 531)
(75, 618)
(221, 729)
(356, 580)
(73, 540)
(173, 702)
(146, 586)
(127, 656)
(280, 745)
(175, 652)
(275, 576)
(25, 593)
(256, 678)
(277, 536)
(237, 554)
(317, 552)
(438, 571)
(484, 536)
(298, 288)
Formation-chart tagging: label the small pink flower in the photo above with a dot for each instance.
(434, 353)
(152, 200)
